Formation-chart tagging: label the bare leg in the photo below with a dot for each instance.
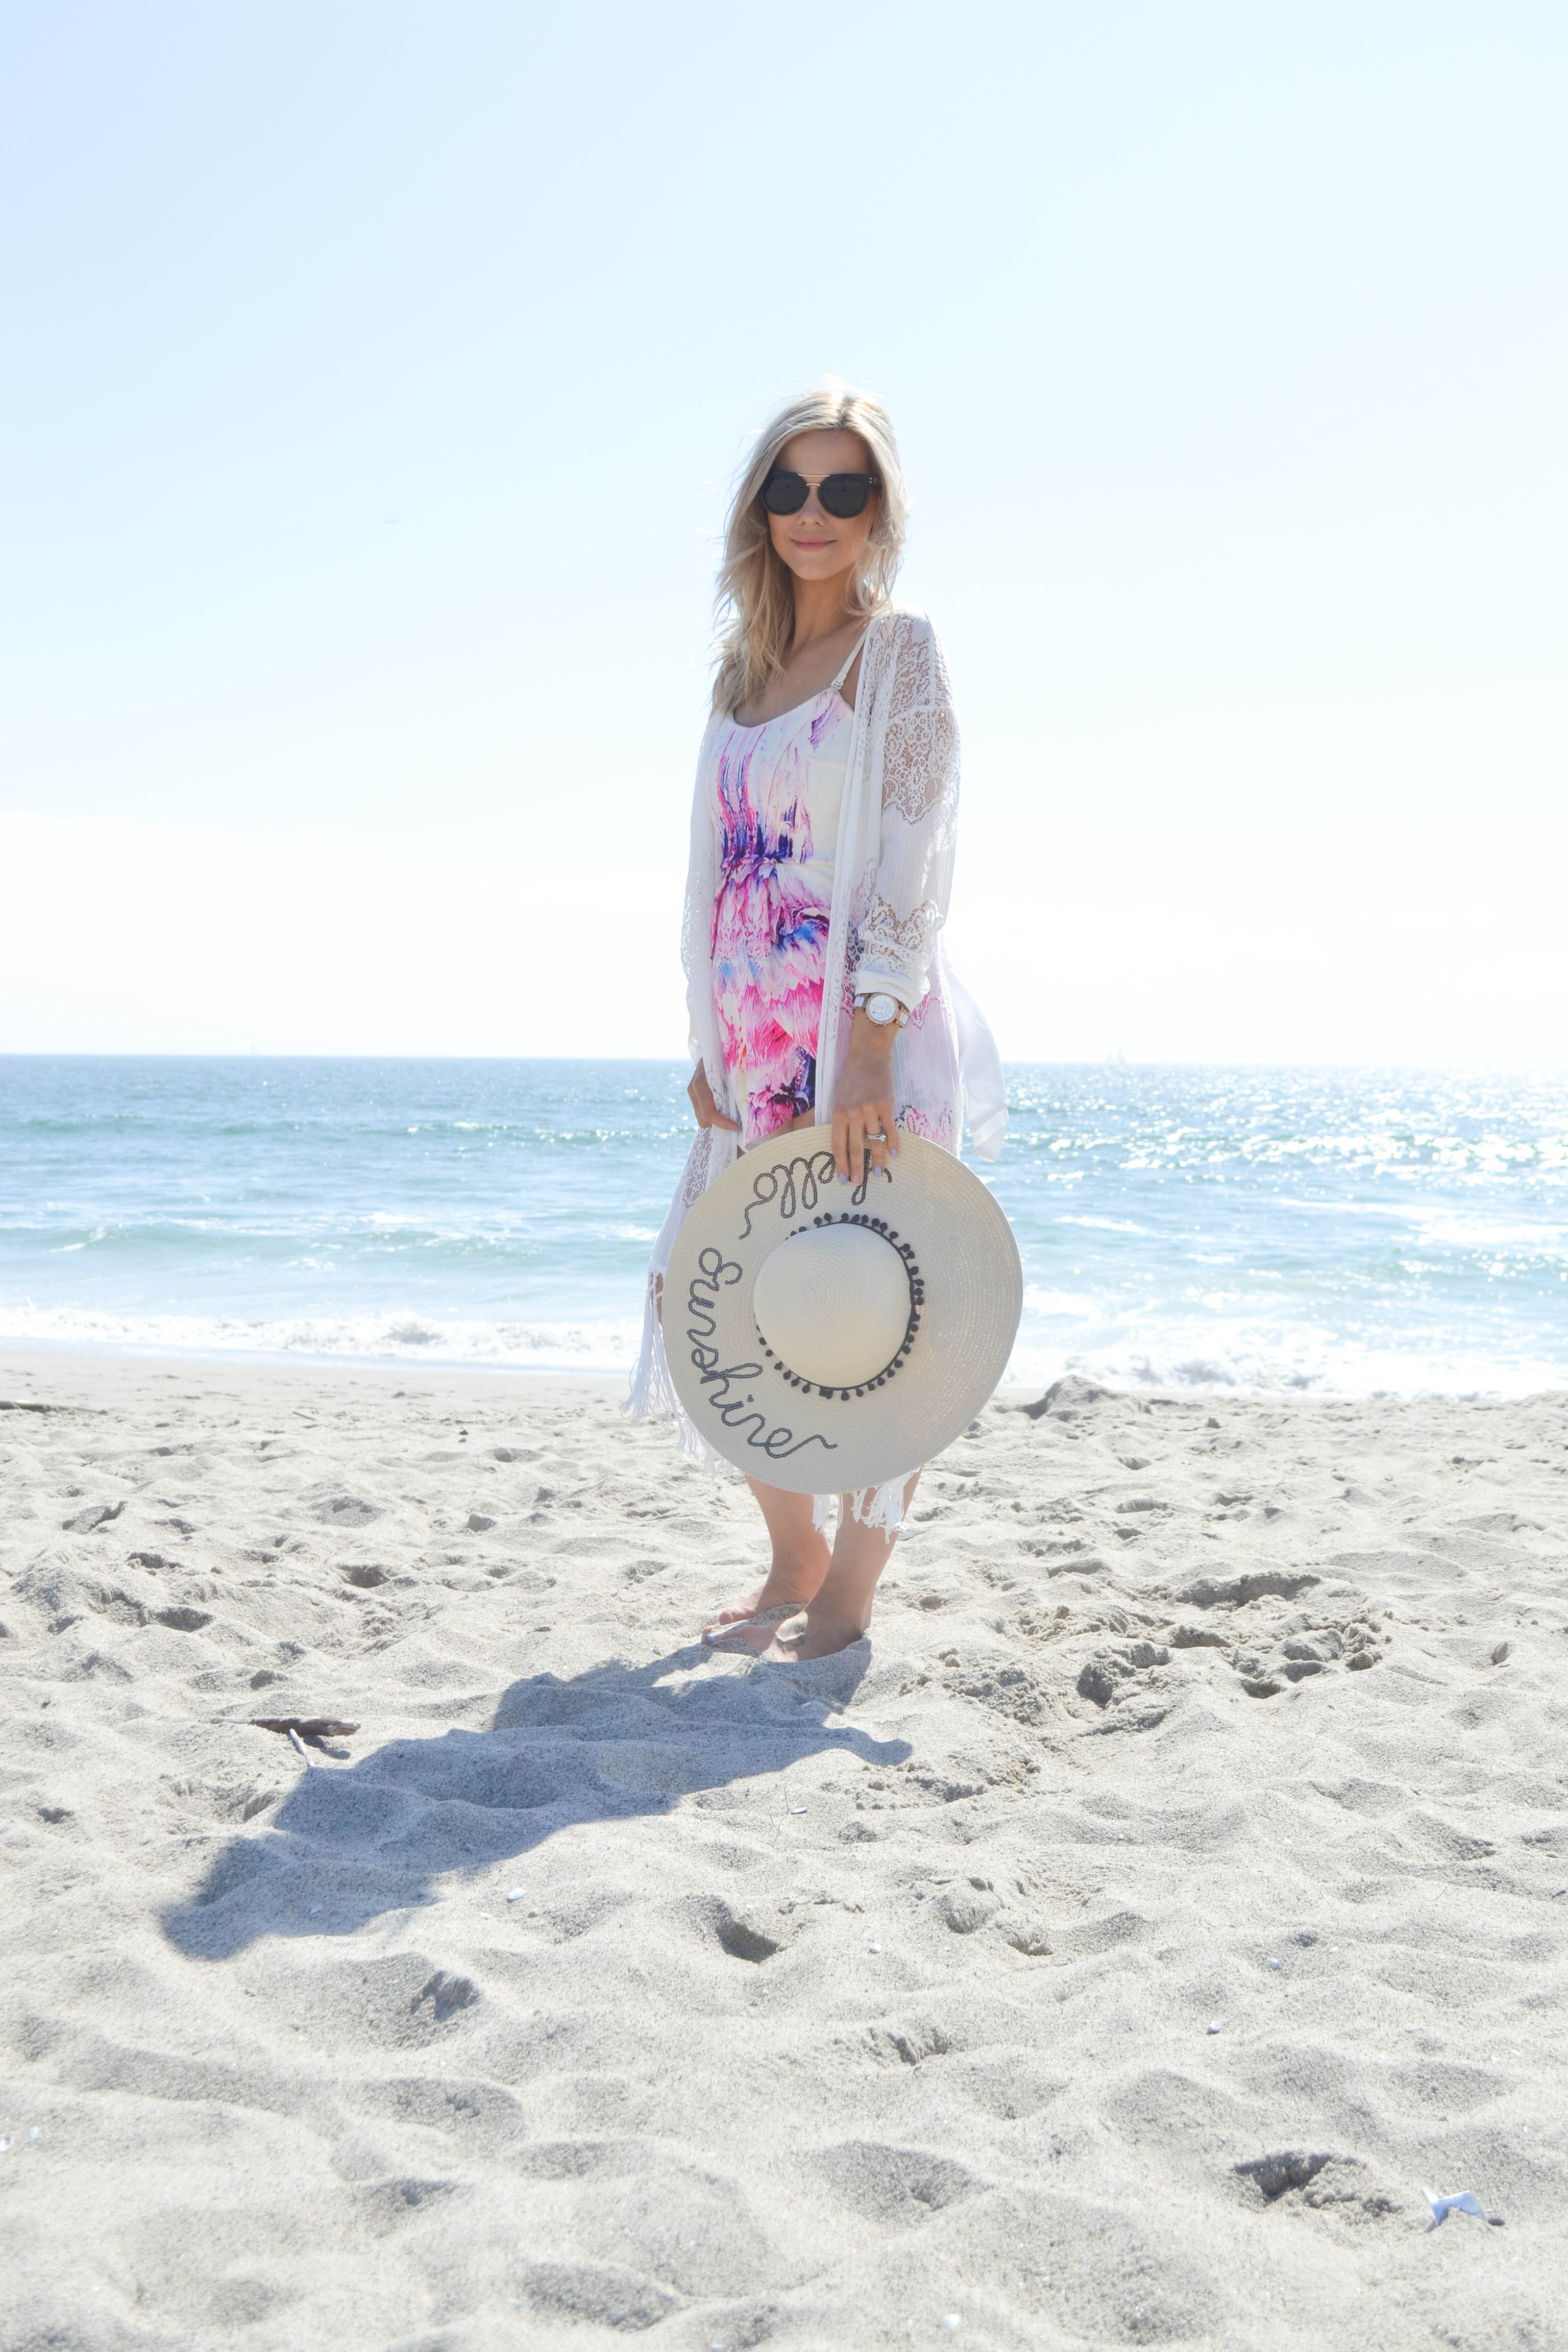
(840, 1609)
(801, 1554)
(800, 1547)
(800, 1560)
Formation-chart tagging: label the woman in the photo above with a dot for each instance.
(822, 841)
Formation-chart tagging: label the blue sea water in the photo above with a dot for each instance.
(1343, 1232)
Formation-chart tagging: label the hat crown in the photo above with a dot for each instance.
(833, 1303)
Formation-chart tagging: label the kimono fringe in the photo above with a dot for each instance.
(882, 1507)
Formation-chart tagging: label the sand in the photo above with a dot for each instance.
(1197, 1800)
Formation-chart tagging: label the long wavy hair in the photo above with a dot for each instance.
(754, 602)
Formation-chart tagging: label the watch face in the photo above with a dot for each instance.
(882, 1010)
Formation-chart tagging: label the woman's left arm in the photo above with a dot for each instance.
(898, 934)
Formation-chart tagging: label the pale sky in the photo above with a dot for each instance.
(372, 378)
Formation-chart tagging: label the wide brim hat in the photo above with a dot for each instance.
(826, 1338)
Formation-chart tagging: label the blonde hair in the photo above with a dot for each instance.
(754, 602)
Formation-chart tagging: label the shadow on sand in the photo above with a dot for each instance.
(350, 1841)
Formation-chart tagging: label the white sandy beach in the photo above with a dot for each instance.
(1198, 1800)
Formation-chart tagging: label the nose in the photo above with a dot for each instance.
(814, 511)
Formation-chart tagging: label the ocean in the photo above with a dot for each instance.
(1340, 1232)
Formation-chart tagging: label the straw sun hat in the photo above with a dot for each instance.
(827, 1339)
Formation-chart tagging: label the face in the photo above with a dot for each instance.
(814, 545)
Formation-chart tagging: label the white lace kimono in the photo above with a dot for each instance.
(893, 874)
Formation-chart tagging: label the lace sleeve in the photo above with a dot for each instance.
(898, 928)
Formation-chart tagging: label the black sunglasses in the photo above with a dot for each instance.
(841, 494)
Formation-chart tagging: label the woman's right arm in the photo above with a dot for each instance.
(919, 810)
(705, 1109)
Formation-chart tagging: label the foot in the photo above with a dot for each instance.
(751, 1635)
(815, 1634)
(794, 1583)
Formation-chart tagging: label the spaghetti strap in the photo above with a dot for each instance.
(848, 662)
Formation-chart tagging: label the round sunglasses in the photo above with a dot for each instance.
(839, 494)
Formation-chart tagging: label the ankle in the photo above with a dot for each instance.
(795, 1579)
(850, 1624)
